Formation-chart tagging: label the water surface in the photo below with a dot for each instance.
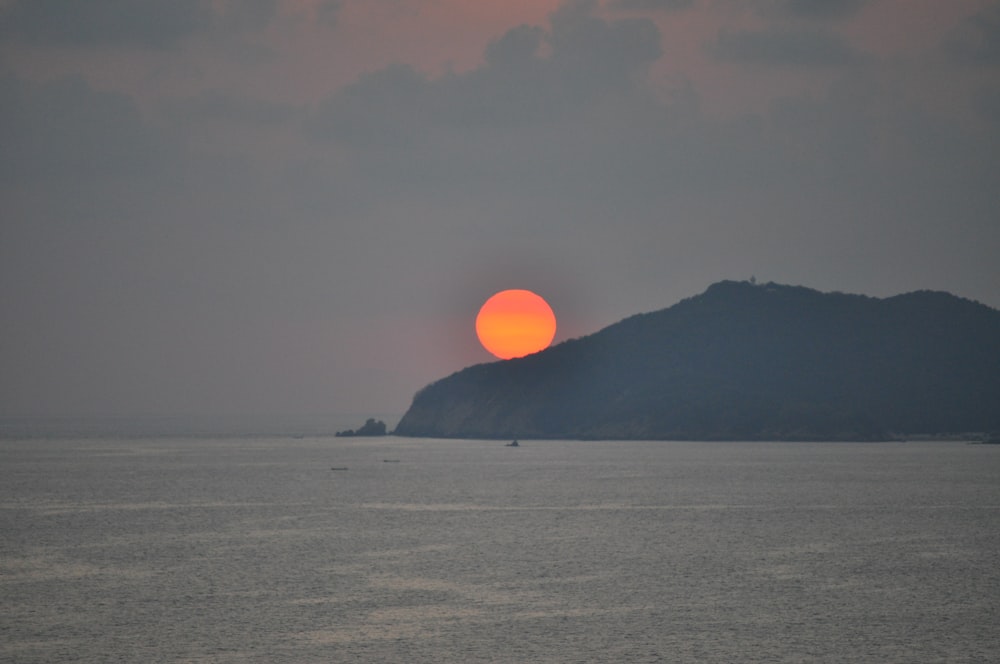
(413, 550)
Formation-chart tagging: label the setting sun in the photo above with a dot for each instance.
(515, 323)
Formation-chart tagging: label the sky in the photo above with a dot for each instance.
(298, 206)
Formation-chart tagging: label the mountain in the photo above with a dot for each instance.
(741, 361)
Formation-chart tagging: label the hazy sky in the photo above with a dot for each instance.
(298, 206)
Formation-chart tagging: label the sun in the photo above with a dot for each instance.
(515, 323)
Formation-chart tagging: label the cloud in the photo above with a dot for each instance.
(588, 59)
(248, 15)
(565, 112)
(65, 129)
(221, 106)
(977, 39)
(814, 9)
(988, 104)
(152, 24)
(803, 48)
(548, 111)
(589, 51)
(563, 117)
(652, 5)
(328, 11)
(147, 23)
(384, 107)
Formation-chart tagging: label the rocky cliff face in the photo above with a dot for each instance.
(741, 362)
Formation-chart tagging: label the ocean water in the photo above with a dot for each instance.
(318, 549)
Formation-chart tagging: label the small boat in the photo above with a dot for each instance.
(338, 468)
(512, 443)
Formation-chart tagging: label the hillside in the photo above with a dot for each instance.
(741, 362)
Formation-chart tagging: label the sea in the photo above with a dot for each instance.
(312, 548)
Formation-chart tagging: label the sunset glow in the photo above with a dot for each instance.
(515, 323)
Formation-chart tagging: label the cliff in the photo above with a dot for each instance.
(741, 362)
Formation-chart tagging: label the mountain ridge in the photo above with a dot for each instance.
(741, 361)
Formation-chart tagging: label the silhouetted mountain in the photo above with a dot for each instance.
(372, 427)
(741, 362)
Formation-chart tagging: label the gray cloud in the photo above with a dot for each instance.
(328, 11)
(590, 60)
(132, 23)
(149, 23)
(574, 120)
(66, 129)
(588, 51)
(988, 104)
(384, 107)
(532, 122)
(977, 39)
(249, 14)
(652, 5)
(814, 9)
(806, 48)
(219, 106)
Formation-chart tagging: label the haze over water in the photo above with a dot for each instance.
(416, 550)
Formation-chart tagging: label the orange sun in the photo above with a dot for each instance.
(515, 323)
